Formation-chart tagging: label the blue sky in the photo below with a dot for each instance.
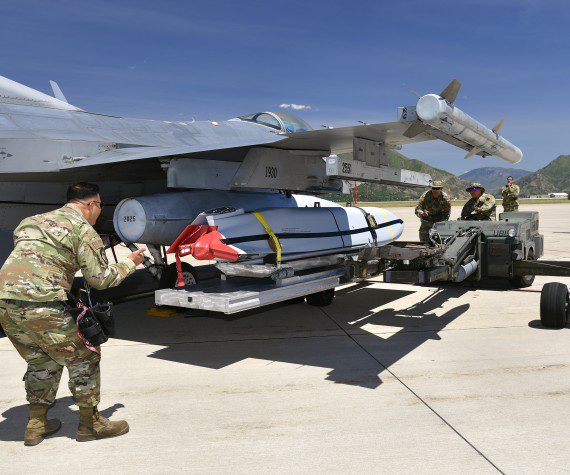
(347, 60)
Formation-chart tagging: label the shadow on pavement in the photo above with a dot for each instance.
(15, 419)
(539, 326)
(299, 334)
(413, 326)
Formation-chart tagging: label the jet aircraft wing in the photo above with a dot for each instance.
(133, 153)
(341, 139)
(391, 134)
(328, 141)
(434, 117)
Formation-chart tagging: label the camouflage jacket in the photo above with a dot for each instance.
(510, 196)
(482, 209)
(49, 249)
(439, 209)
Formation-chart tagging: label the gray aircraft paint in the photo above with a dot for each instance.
(46, 143)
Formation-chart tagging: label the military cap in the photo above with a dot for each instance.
(475, 185)
(437, 184)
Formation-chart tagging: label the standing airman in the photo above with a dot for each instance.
(48, 250)
(433, 206)
(510, 193)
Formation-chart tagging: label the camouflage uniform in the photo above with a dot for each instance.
(510, 197)
(48, 250)
(482, 209)
(439, 210)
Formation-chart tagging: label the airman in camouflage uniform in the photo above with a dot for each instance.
(510, 193)
(48, 250)
(481, 206)
(433, 206)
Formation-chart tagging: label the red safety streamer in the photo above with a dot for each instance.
(88, 345)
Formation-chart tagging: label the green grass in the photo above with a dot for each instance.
(405, 204)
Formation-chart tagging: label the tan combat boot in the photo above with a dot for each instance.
(38, 425)
(93, 426)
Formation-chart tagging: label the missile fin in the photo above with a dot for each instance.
(415, 129)
(451, 91)
(498, 126)
(472, 152)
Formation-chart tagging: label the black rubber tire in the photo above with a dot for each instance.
(522, 281)
(169, 276)
(554, 305)
(321, 299)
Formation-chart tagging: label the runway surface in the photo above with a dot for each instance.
(389, 378)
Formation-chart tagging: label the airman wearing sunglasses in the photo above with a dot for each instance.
(48, 250)
(481, 206)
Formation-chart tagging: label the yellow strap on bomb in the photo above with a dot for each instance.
(273, 239)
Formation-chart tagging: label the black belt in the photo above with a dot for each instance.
(33, 303)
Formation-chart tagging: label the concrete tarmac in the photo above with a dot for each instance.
(388, 379)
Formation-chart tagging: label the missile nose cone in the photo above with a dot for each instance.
(429, 107)
(518, 154)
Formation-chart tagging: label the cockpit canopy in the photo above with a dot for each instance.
(278, 120)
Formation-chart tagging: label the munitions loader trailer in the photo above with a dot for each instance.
(469, 251)
(459, 251)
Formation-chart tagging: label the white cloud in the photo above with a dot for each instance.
(296, 107)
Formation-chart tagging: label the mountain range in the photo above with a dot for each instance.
(554, 177)
(493, 178)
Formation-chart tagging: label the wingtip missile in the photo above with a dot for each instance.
(436, 111)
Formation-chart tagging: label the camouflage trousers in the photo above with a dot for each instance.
(508, 207)
(45, 335)
(424, 230)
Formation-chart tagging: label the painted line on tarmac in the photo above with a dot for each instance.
(448, 424)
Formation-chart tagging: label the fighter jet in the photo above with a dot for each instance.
(171, 171)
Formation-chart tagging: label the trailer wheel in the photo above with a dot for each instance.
(554, 306)
(169, 276)
(321, 299)
(521, 281)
